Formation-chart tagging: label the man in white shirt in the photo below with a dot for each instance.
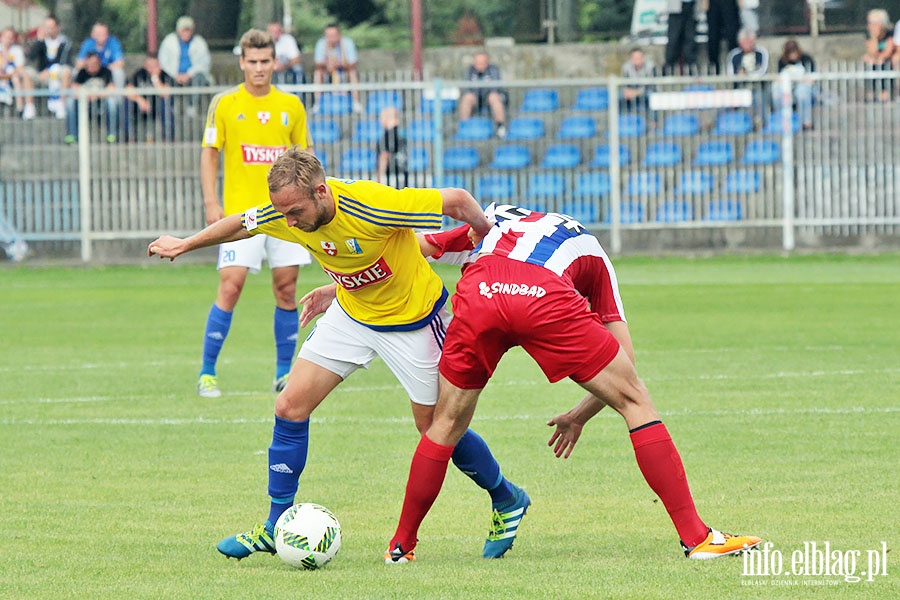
(288, 65)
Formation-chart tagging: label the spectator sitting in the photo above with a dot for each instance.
(879, 51)
(184, 55)
(94, 77)
(392, 152)
(143, 111)
(288, 65)
(13, 75)
(476, 99)
(749, 61)
(638, 66)
(51, 63)
(108, 48)
(796, 64)
(336, 61)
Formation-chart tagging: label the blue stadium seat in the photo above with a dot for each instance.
(512, 156)
(663, 154)
(733, 122)
(562, 156)
(761, 152)
(452, 180)
(601, 156)
(334, 104)
(725, 210)
(474, 129)
(773, 124)
(323, 157)
(583, 211)
(381, 99)
(448, 105)
(596, 98)
(540, 100)
(418, 159)
(681, 124)
(324, 131)
(699, 87)
(420, 130)
(714, 153)
(644, 183)
(674, 211)
(496, 187)
(367, 132)
(525, 128)
(546, 185)
(742, 181)
(355, 160)
(461, 158)
(629, 212)
(631, 125)
(592, 184)
(695, 182)
(577, 127)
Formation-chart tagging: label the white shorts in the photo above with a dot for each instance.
(249, 253)
(342, 345)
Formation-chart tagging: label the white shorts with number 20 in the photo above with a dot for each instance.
(342, 345)
(249, 253)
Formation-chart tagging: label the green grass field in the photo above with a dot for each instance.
(779, 379)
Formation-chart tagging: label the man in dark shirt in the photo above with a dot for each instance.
(94, 77)
(392, 152)
(475, 99)
(149, 116)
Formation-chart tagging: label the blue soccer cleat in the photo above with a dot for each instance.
(242, 545)
(505, 524)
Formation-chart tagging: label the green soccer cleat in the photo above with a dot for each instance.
(208, 387)
(505, 524)
(242, 545)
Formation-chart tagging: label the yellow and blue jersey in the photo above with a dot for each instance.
(251, 132)
(370, 250)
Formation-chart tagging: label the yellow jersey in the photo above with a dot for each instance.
(252, 132)
(370, 250)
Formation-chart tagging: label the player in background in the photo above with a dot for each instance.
(250, 124)
(542, 282)
(389, 303)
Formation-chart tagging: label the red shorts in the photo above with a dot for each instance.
(501, 303)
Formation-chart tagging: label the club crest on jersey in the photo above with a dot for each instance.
(263, 116)
(285, 119)
(354, 246)
(330, 248)
(511, 289)
(241, 117)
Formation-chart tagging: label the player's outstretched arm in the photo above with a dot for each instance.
(460, 205)
(570, 424)
(316, 302)
(228, 229)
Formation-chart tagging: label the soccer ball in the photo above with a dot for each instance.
(307, 536)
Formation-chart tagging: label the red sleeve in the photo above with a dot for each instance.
(454, 240)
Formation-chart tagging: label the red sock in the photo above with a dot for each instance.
(662, 469)
(426, 476)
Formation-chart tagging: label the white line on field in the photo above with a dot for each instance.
(751, 412)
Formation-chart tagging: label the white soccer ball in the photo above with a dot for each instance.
(307, 536)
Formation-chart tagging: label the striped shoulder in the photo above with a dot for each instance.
(389, 218)
(267, 213)
(217, 99)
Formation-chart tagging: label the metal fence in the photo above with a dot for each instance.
(708, 154)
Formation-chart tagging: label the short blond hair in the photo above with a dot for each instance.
(297, 167)
(256, 38)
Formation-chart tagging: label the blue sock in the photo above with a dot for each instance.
(217, 325)
(286, 327)
(473, 457)
(287, 458)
